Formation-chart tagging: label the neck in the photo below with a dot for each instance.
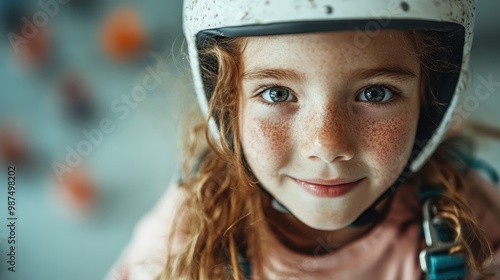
(306, 240)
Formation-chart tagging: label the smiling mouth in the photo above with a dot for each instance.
(327, 188)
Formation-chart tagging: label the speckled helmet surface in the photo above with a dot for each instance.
(237, 18)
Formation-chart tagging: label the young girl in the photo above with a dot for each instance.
(323, 120)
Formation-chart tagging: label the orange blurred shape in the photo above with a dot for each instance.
(123, 35)
(37, 51)
(78, 190)
(12, 147)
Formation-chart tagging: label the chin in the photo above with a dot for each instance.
(329, 227)
(329, 223)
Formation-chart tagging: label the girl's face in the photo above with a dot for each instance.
(327, 127)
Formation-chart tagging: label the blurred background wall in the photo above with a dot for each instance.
(75, 96)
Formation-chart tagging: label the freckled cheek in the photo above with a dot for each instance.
(388, 142)
(266, 143)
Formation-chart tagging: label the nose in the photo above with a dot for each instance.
(329, 135)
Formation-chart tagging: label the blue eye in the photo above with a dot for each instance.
(277, 94)
(375, 94)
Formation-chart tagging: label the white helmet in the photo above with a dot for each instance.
(237, 18)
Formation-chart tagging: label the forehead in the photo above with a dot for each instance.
(348, 49)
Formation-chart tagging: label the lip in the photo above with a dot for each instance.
(327, 188)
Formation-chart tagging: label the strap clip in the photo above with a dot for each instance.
(434, 243)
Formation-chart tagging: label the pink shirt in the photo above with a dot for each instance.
(389, 251)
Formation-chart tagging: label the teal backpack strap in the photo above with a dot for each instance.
(244, 263)
(247, 269)
(482, 165)
(464, 155)
(435, 260)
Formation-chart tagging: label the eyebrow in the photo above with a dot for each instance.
(277, 74)
(397, 72)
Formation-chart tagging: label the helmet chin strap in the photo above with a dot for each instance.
(372, 215)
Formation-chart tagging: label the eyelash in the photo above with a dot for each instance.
(397, 94)
(264, 88)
